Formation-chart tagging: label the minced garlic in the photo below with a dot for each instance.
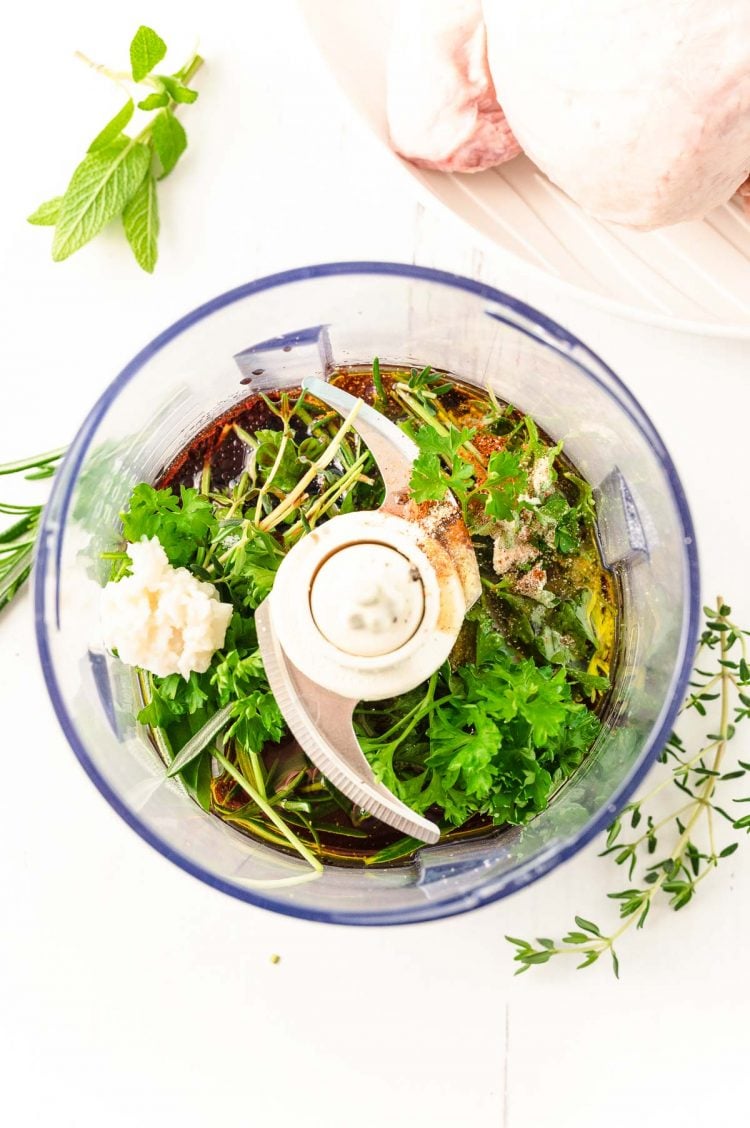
(161, 618)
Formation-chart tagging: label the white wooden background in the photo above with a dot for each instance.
(130, 994)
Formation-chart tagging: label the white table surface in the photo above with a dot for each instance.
(131, 994)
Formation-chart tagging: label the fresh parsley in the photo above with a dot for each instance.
(504, 483)
(493, 737)
(440, 466)
(183, 524)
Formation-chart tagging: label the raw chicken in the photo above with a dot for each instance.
(638, 109)
(442, 109)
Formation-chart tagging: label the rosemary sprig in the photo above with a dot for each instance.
(673, 872)
(17, 540)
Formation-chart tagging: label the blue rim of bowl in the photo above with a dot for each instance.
(66, 476)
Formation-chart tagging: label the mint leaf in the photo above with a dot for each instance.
(98, 191)
(46, 214)
(115, 165)
(177, 90)
(113, 128)
(154, 101)
(146, 50)
(141, 222)
(170, 141)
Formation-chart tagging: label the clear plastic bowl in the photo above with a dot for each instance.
(273, 332)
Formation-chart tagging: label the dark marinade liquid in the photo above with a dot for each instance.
(218, 446)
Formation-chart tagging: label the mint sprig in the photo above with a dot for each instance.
(119, 173)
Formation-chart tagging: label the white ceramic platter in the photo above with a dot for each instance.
(694, 276)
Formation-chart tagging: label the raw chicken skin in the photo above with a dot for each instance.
(442, 109)
(638, 109)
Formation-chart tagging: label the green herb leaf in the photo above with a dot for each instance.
(504, 482)
(445, 445)
(177, 90)
(426, 380)
(146, 51)
(114, 168)
(141, 222)
(154, 101)
(46, 214)
(675, 875)
(439, 468)
(113, 128)
(241, 683)
(180, 524)
(98, 191)
(587, 926)
(428, 482)
(170, 141)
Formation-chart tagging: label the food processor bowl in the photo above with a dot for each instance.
(270, 334)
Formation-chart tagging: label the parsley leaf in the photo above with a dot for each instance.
(439, 467)
(430, 482)
(585, 506)
(556, 512)
(288, 466)
(180, 524)
(431, 441)
(504, 482)
(498, 737)
(242, 682)
(253, 562)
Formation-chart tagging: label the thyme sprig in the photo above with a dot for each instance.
(18, 538)
(671, 871)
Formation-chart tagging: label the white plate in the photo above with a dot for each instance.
(694, 276)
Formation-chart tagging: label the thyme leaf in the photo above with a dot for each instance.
(671, 854)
